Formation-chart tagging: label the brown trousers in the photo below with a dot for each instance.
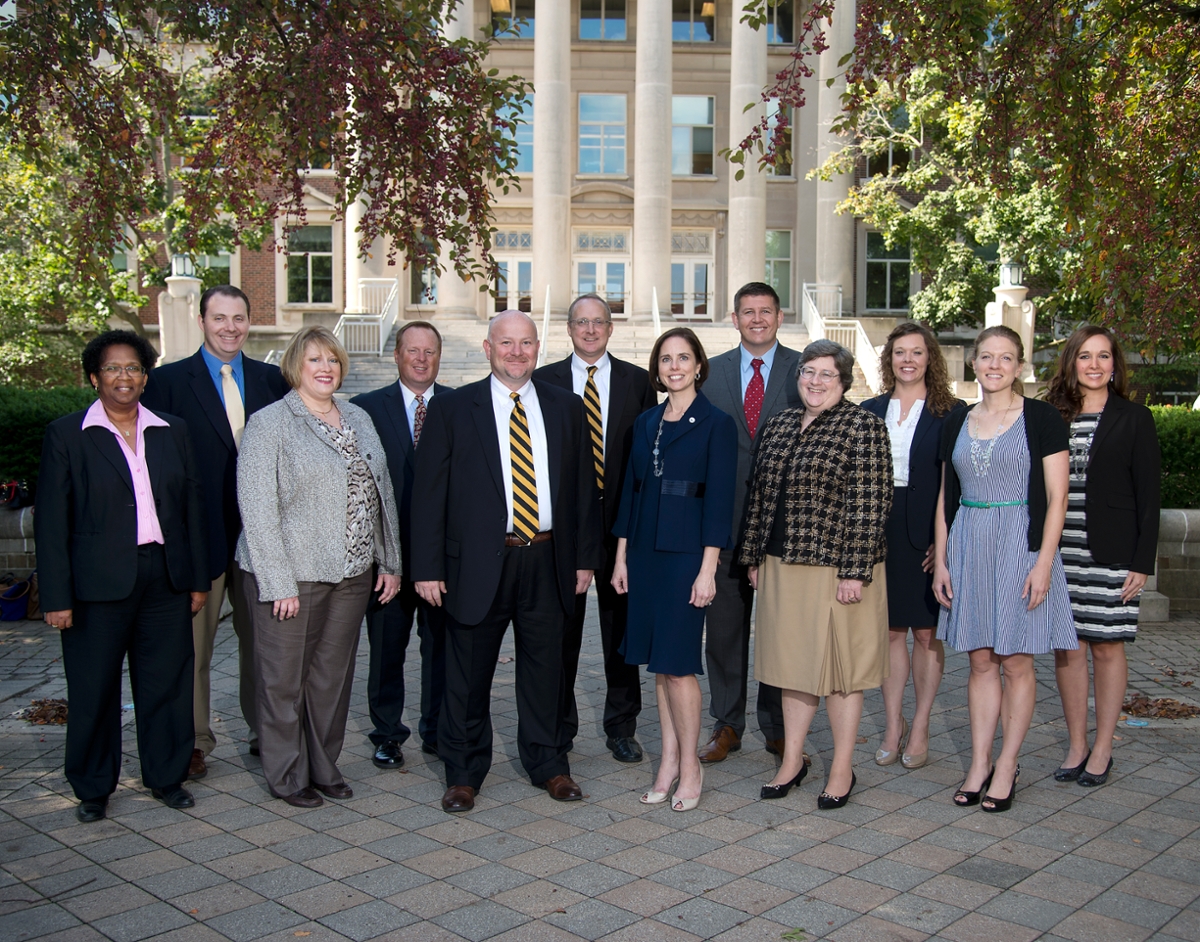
(304, 672)
(204, 636)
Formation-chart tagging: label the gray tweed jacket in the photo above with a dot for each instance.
(292, 495)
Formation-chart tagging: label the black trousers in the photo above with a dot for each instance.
(623, 700)
(153, 626)
(727, 655)
(528, 598)
(389, 628)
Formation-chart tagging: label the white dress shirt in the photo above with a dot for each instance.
(502, 407)
(579, 378)
(410, 403)
(901, 436)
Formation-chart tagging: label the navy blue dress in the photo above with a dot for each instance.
(668, 520)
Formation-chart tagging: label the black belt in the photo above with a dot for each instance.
(511, 539)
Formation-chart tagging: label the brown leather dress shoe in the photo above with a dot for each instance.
(340, 790)
(724, 741)
(305, 798)
(563, 788)
(458, 798)
(197, 768)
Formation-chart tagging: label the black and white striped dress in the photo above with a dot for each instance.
(1095, 589)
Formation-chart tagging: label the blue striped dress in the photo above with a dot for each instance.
(989, 559)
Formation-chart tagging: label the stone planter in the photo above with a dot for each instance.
(16, 542)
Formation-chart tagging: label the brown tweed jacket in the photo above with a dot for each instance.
(837, 490)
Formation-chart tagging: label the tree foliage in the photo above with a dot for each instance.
(1095, 101)
(404, 117)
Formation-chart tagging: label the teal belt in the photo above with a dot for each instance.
(986, 504)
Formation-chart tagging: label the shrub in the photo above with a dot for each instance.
(1179, 439)
(24, 415)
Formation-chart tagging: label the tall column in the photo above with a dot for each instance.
(456, 299)
(746, 245)
(553, 159)
(835, 234)
(652, 159)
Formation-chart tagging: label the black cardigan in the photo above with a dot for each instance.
(1123, 483)
(1046, 433)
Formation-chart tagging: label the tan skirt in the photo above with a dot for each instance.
(806, 640)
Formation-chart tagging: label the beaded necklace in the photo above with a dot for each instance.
(981, 449)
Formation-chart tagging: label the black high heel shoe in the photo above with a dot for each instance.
(1001, 804)
(1088, 780)
(1071, 773)
(827, 802)
(779, 791)
(965, 799)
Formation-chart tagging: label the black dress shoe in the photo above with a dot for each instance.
(305, 798)
(254, 750)
(388, 755)
(429, 748)
(340, 791)
(1088, 780)
(94, 809)
(768, 792)
(1069, 774)
(624, 748)
(174, 796)
(827, 802)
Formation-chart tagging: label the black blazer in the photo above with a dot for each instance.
(459, 508)
(185, 388)
(1123, 484)
(724, 390)
(924, 470)
(629, 395)
(386, 408)
(86, 519)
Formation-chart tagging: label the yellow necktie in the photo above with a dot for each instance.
(524, 481)
(591, 404)
(234, 410)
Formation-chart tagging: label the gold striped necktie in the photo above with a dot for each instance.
(524, 481)
(591, 403)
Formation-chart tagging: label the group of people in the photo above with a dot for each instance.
(467, 510)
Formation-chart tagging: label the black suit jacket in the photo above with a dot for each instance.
(629, 395)
(86, 519)
(385, 406)
(459, 508)
(724, 390)
(924, 470)
(1123, 484)
(185, 388)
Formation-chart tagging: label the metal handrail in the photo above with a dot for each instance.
(366, 331)
(848, 331)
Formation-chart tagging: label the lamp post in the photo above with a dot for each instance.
(178, 328)
(1013, 309)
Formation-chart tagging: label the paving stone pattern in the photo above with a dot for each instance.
(900, 862)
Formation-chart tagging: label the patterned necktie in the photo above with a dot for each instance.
(754, 397)
(235, 411)
(524, 481)
(591, 404)
(418, 420)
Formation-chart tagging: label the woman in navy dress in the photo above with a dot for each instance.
(673, 522)
(997, 569)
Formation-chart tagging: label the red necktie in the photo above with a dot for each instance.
(418, 420)
(754, 397)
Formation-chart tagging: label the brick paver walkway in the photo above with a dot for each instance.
(899, 862)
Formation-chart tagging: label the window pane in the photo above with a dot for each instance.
(605, 108)
(781, 281)
(702, 150)
(681, 151)
(591, 23)
(877, 294)
(779, 243)
(587, 277)
(614, 20)
(614, 149)
(311, 239)
(779, 26)
(297, 279)
(681, 21)
(322, 278)
(524, 276)
(589, 149)
(691, 109)
(899, 286)
(877, 249)
(677, 275)
(615, 277)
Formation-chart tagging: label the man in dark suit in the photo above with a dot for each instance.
(505, 528)
(751, 382)
(614, 394)
(399, 411)
(215, 390)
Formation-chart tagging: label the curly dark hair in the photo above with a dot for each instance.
(1063, 392)
(689, 337)
(93, 353)
(939, 397)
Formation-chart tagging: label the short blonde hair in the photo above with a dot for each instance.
(290, 362)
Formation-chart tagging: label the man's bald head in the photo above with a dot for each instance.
(512, 347)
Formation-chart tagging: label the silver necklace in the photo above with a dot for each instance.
(658, 468)
(981, 450)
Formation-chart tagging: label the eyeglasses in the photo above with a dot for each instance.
(592, 322)
(112, 370)
(809, 374)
